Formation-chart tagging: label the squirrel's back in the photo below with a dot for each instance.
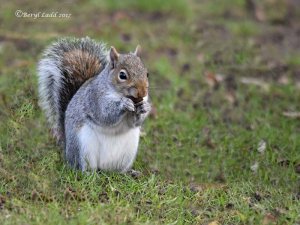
(64, 67)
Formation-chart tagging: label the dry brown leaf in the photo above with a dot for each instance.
(291, 114)
(120, 15)
(214, 79)
(283, 80)
(256, 10)
(257, 82)
(230, 97)
(211, 79)
(220, 77)
(214, 223)
(260, 14)
(21, 63)
(200, 57)
(269, 219)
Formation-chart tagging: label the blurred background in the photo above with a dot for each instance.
(224, 81)
(223, 73)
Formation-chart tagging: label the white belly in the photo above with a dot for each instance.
(106, 150)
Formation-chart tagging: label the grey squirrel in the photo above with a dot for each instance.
(95, 101)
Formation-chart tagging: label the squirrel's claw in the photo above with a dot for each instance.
(145, 107)
(128, 104)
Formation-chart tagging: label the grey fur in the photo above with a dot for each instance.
(97, 102)
(51, 79)
(93, 104)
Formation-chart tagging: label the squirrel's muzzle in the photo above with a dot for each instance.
(138, 93)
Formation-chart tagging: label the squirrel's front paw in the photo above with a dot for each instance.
(128, 104)
(143, 107)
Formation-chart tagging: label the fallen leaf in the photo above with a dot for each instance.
(214, 223)
(256, 82)
(262, 146)
(283, 80)
(211, 80)
(269, 219)
(120, 15)
(254, 167)
(214, 79)
(259, 14)
(230, 96)
(293, 115)
(255, 10)
(200, 57)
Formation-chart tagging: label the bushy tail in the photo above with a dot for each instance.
(64, 67)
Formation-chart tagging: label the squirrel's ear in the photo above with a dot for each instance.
(114, 56)
(138, 51)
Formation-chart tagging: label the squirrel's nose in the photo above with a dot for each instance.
(142, 92)
(142, 88)
(138, 92)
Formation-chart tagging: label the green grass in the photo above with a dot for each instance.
(199, 158)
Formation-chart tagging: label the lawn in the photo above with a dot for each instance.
(222, 144)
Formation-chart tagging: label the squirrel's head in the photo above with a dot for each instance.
(129, 74)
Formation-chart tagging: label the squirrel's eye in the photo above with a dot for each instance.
(123, 75)
(147, 75)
